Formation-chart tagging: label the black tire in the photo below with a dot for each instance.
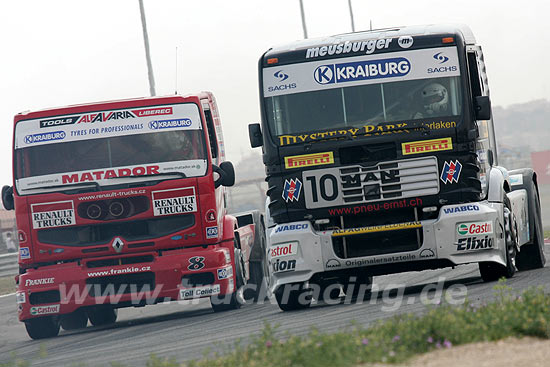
(293, 299)
(74, 320)
(494, 271)
(258, 282)
(102, 315)
(42, 327)
(531, 255)
(231, 302)
(329, 291)
(353, 289)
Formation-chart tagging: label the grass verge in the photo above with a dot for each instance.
(395, 340)
(7, 285)
(547, 233)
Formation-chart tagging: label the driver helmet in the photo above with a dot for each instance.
(435, 98)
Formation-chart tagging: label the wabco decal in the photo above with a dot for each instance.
(362, 70)
(461, 209)
(174, 201)
(348, 185)
(451, 172)
(343, 48)
(474, 243)
(292, 189)
(426, 146)
(308, 160)
(290, 227)
(56, 214)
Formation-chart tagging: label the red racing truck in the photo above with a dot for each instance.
(122, 204)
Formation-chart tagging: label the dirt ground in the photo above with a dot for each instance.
(525, 352)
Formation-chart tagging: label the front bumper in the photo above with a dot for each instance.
(174, 275)
(297, 252)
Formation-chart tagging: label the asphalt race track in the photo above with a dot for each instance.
(185, 331)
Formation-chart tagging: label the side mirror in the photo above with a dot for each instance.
(226, 174)
(482, 106)
(255, 135)
(7, 197)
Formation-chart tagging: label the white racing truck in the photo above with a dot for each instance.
(381, 157)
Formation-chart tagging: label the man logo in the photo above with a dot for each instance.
(333, 263)
(405, 41)
(280, 75)
(324, 74)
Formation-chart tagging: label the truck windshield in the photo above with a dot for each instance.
(113, 147)
(357, 106)
(172, 147)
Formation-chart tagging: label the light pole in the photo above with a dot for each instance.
(303, 18)
(147, 52)
(351, 16)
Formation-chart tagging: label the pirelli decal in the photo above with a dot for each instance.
(425, 146)
(374, 229)
(308, 160)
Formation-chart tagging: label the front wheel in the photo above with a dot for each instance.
(102, 315)
(531, 255)
(74, 320)
(494, 271)
(292, 297)
(231, 301)
(42, 327)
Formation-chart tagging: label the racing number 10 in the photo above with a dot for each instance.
(326, 186)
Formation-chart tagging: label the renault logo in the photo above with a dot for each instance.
(118, 244)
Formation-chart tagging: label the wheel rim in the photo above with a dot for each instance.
(510, 227)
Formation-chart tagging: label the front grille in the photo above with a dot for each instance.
(193, 280)
(120, 261)
(379, 243)
(113, 209)
(99, 234)
(359, 184)
(41, 298)
(121, 284)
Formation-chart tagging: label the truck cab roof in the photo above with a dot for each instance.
(420, 30)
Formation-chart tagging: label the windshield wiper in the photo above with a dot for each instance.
(73, 185)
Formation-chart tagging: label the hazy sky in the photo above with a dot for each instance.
(57, 52)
